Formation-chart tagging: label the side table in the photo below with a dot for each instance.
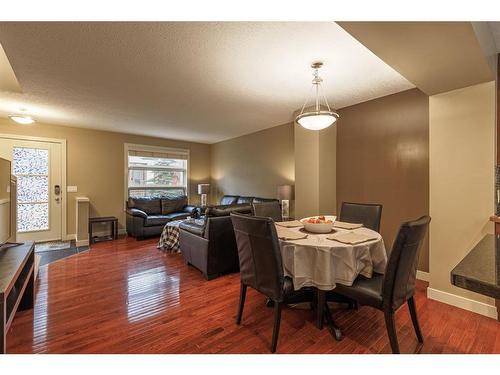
(107, 219)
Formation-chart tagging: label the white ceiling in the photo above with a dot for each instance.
(195, 81)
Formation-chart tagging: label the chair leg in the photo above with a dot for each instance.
(243, 293)
(391, 331)
(414, 319)
(334, 329)
(277, 321)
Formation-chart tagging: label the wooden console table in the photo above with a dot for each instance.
(17, 284)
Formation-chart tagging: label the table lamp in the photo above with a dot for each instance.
(203, 189)
(285, 195)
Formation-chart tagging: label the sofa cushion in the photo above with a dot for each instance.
(178, 215)
(226, 210)
(247, 200)
(155, 220)
(229, 199)
(173, 204)
(151, 206)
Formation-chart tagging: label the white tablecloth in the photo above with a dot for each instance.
(322, 263)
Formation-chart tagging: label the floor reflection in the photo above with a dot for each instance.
(151, 292)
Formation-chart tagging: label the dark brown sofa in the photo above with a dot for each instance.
(209, 244)
(147, 216)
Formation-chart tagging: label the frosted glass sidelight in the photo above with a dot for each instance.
(32, 217)
(30, 161)
(31, 167)
(32, 189)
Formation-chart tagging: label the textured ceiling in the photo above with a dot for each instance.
(195, 81)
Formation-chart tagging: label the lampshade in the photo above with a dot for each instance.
(317, 120)
(285, 192)
(203, 188)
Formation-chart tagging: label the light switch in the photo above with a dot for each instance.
(72, 189)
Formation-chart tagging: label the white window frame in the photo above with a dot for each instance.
(147, 148)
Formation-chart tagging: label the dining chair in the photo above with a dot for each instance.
(261, 267)
(268, 209)
(363, 213)
(388, 292)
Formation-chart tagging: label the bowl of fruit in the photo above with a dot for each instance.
(318, 224)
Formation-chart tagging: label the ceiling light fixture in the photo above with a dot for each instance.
(22, 119)
(319, 116)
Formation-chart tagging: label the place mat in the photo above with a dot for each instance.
(285, 234)
(352, 238)
(344, 225)
(290, 224)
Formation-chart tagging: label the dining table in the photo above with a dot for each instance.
(323, 260)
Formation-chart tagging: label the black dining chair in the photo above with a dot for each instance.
(388, 292)
(268, 209)
(261, 267)
(363, 213)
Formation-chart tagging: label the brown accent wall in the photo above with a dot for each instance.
(383, 157)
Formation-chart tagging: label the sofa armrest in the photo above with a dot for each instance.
(193, 227)
(191, 209)
(137, 213)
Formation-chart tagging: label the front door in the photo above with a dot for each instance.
(37, 166)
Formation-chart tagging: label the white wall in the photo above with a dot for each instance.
(462, 157)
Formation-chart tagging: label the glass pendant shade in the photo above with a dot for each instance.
(317, 121)
(319, 116)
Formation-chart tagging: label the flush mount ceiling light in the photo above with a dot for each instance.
(22, 119)
(319, 116)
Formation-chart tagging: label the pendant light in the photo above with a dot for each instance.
(320, 116)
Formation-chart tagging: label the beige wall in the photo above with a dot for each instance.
(95, 164)
(307, 198)
(253, 164)
(383, 157)
(328, 170)
(462, 154)
(315, 171)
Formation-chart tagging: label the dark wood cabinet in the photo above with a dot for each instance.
(17, 284)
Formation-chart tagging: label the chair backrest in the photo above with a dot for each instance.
(268, 209)
(259, 254)
(400, 273)
(363, 213)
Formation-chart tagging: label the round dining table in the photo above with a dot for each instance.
(320, 261)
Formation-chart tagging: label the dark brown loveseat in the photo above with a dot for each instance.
(147, 216)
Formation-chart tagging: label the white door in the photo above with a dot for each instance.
(37, 166)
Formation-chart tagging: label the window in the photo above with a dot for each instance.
(155, 171)
(31, 167)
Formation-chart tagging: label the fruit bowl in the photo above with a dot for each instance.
(318, 224)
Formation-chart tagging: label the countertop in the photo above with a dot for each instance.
(479, 271)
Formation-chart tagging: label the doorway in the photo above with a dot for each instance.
(39, 167)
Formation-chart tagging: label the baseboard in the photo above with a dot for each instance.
(424, 276)
(70, 237)
(82, 243)
(462, 302)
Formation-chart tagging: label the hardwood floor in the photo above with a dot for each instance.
(127, 297)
